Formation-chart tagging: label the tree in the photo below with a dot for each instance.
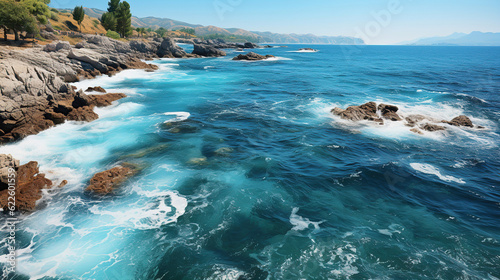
(108, 21)
(113, 5)
(161, 31)
(17, 17)
(123, 19)
(38, 8)
(79, 15)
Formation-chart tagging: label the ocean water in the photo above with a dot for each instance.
(245, 174)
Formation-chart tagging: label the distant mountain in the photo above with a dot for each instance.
(475, 38)
(267, 37)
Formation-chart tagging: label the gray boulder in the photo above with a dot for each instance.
(207, 51)
(169, 49)
(252, 56)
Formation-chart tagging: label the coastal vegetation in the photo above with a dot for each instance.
(79, 15)
(118, 18)
(23, 16)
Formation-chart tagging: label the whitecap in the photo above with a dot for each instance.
(303, 51)
(180, 116)
(153, 215)
(432, 170)
(300, 223)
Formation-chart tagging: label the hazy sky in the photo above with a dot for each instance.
(376, 21)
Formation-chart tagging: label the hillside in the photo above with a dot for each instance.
(63, 21)
(234, 34)
(475, 38)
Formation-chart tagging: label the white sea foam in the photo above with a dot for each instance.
(300, 223)
(154, 214)
(303, 51)
(432, 170)
(180, 116)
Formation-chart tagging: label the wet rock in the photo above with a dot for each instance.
(416, 130)
(103, 100)
(106, 182)
(198, 161)
(223, 152)
(432, 127)
(367, 111)
(249, 45)
(207, 51)
(389, 112)
(308, 49)
(460, 121)
(29, 185)
(97, 89)
(252, 56)
(169, 48)
(6, 162)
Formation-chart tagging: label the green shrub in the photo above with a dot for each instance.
(96, 23)
(54, 10)
(113, 35)
(54, 16)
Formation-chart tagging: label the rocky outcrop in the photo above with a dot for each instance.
(432, 127)
(7, 162)
(460, 121)
(29, 183)
(367, 111)
(308, 50)
(169, 49)
(388, 112)
(33, 99)
(96, 89)
(371, 112)
(106, 182)
(252, 56)
(207, 51)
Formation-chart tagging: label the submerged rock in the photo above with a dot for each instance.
(198, 161)
(252, 56)
(223, 152)
(107, 181)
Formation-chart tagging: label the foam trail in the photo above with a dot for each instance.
(432, 170)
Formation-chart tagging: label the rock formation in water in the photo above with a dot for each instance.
(29, 183)
(207, 51)
(252, 56)
(106, 182)
(371, 112)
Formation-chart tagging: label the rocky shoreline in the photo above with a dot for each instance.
(35, 95)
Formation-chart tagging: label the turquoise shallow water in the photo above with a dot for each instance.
(246, 175)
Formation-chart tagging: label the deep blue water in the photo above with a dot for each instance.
(246, 174)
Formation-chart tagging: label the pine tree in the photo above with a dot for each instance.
(113, 5)
(108, 21)
(123, 19)
(79, 15)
